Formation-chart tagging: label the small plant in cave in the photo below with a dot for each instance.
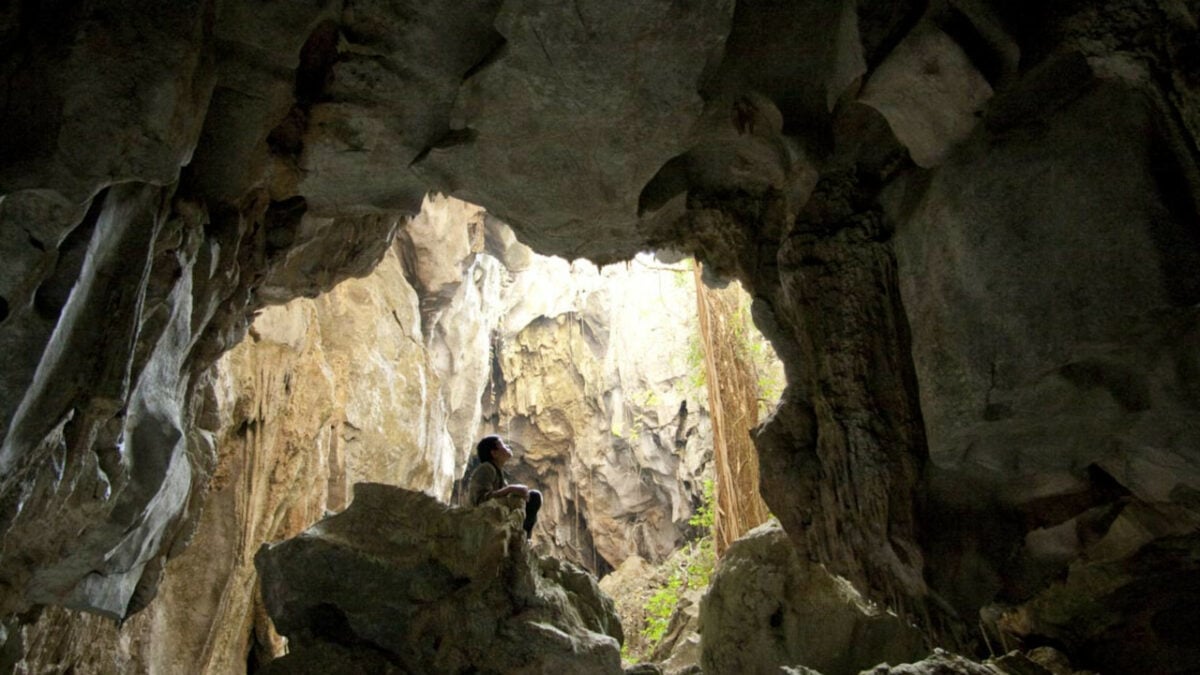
(693, 572)
(635, 432)
(659, 608)
(704, 517)
(648, 399)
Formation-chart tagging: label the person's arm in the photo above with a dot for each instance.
(514, 489)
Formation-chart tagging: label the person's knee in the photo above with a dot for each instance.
(534, 504)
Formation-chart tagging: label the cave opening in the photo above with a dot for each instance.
(600, 378)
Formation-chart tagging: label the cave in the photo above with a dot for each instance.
(970, 229)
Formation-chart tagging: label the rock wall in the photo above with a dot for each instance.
(1055, 350)
(977, 264)
(322, 393)
(595, 387)
(106, 229)
(1039, 661)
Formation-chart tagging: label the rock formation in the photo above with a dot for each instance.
(769, 607)
(968, 225)
(593, 385)
(320, 394)
(380, 379)
(1040, 661)
(400, 579)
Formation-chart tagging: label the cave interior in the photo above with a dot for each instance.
(970, 228)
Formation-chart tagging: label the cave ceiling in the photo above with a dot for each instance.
(970, 228)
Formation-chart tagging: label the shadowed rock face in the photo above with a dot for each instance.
(969, 226)
(769, 607)
(402, 579)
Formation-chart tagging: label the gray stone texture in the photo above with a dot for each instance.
(769, 607)
(434, 588)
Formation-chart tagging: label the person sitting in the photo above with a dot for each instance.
(488, 481)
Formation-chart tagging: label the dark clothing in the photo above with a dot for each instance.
(531, 511)
(487, 478)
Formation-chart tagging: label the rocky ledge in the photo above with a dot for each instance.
(399, 582)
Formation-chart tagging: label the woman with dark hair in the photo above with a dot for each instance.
(487, 481)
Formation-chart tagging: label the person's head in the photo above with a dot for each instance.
(493, 449)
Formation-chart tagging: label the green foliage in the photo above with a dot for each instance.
(700, 566)
(648, 399)
(695, 571)
(635, 432)
(658, 610)
(705, 516)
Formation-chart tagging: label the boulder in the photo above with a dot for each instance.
(940, 662)
(1040, 661)
(400, 580)
(770, 607)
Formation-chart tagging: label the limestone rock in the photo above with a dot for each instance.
(1041, 661)
(1053, 387)
(930, 93)
(175, 281)
(436, 589)
(394, 71)
(329, 658)
(938, 663)
(442, 238)
(574, 79)
(644, 669)
(133, 490)
(769, 607)
(64, 95)
(601, 402)
(321, 394)
(798, 670)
